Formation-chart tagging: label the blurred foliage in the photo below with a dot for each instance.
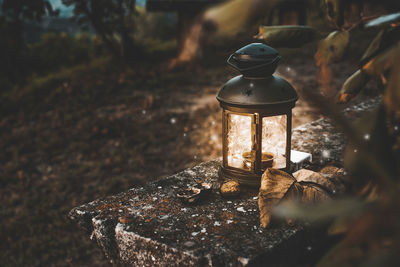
(55, 87)
(228, 18)
(53, 52)
(287, 36)
(13, 15)
(63, 70)
(322, 212)
(112, 20)
(352, 86)
(155, 25)
(332, 48)
(372, 157)
(155, 33)
(335, 11)
(45, 55)
(28, 10)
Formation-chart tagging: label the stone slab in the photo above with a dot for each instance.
(149, 225)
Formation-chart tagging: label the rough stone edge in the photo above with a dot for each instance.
(143, 248)
(83, 218)
(99, 227)
(102, 228)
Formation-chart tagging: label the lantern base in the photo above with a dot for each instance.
(243, 178)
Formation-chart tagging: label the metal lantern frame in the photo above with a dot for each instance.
(258, 94)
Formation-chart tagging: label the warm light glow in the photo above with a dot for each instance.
(239, 139)
(274, 139)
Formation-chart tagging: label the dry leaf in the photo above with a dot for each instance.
(304, 175)
(332, 47)
(337, 177)
(277, 185)
(352, 86)
(344, 98)
(313, 194)
(230, 189)
(287, 36)
(325, 80)
(124, 220)
(332, 170)
(329, 49)
(274, 185)
(369, 191)
(373, 48)
(379, 64)
(295, 193)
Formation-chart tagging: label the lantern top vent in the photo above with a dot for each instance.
(257, 88)
(255, 60)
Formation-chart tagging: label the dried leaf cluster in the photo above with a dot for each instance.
(305, 186)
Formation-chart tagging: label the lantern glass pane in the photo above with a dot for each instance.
(273, 142)
(239, 140)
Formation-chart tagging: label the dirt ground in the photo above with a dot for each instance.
(58, 152)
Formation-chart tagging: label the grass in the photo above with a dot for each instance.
(82, 133)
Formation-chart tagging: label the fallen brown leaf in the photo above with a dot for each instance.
(274, 185)
(304, 175)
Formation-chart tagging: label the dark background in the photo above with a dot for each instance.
(84, 115)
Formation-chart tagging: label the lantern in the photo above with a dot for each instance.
(256, 116)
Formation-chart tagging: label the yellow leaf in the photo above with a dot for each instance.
(344, 98)
(373, 46)
(352, 86)
(379, 64)
(332, 47)
(287, 36)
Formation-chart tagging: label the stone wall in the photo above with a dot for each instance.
(150, 226)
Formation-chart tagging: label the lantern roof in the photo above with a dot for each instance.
(257, 87)
(255, 60)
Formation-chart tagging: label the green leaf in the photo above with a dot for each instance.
(332, 47)
(352, 86)
(287, 36)
(321, 212)
(391, 20)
